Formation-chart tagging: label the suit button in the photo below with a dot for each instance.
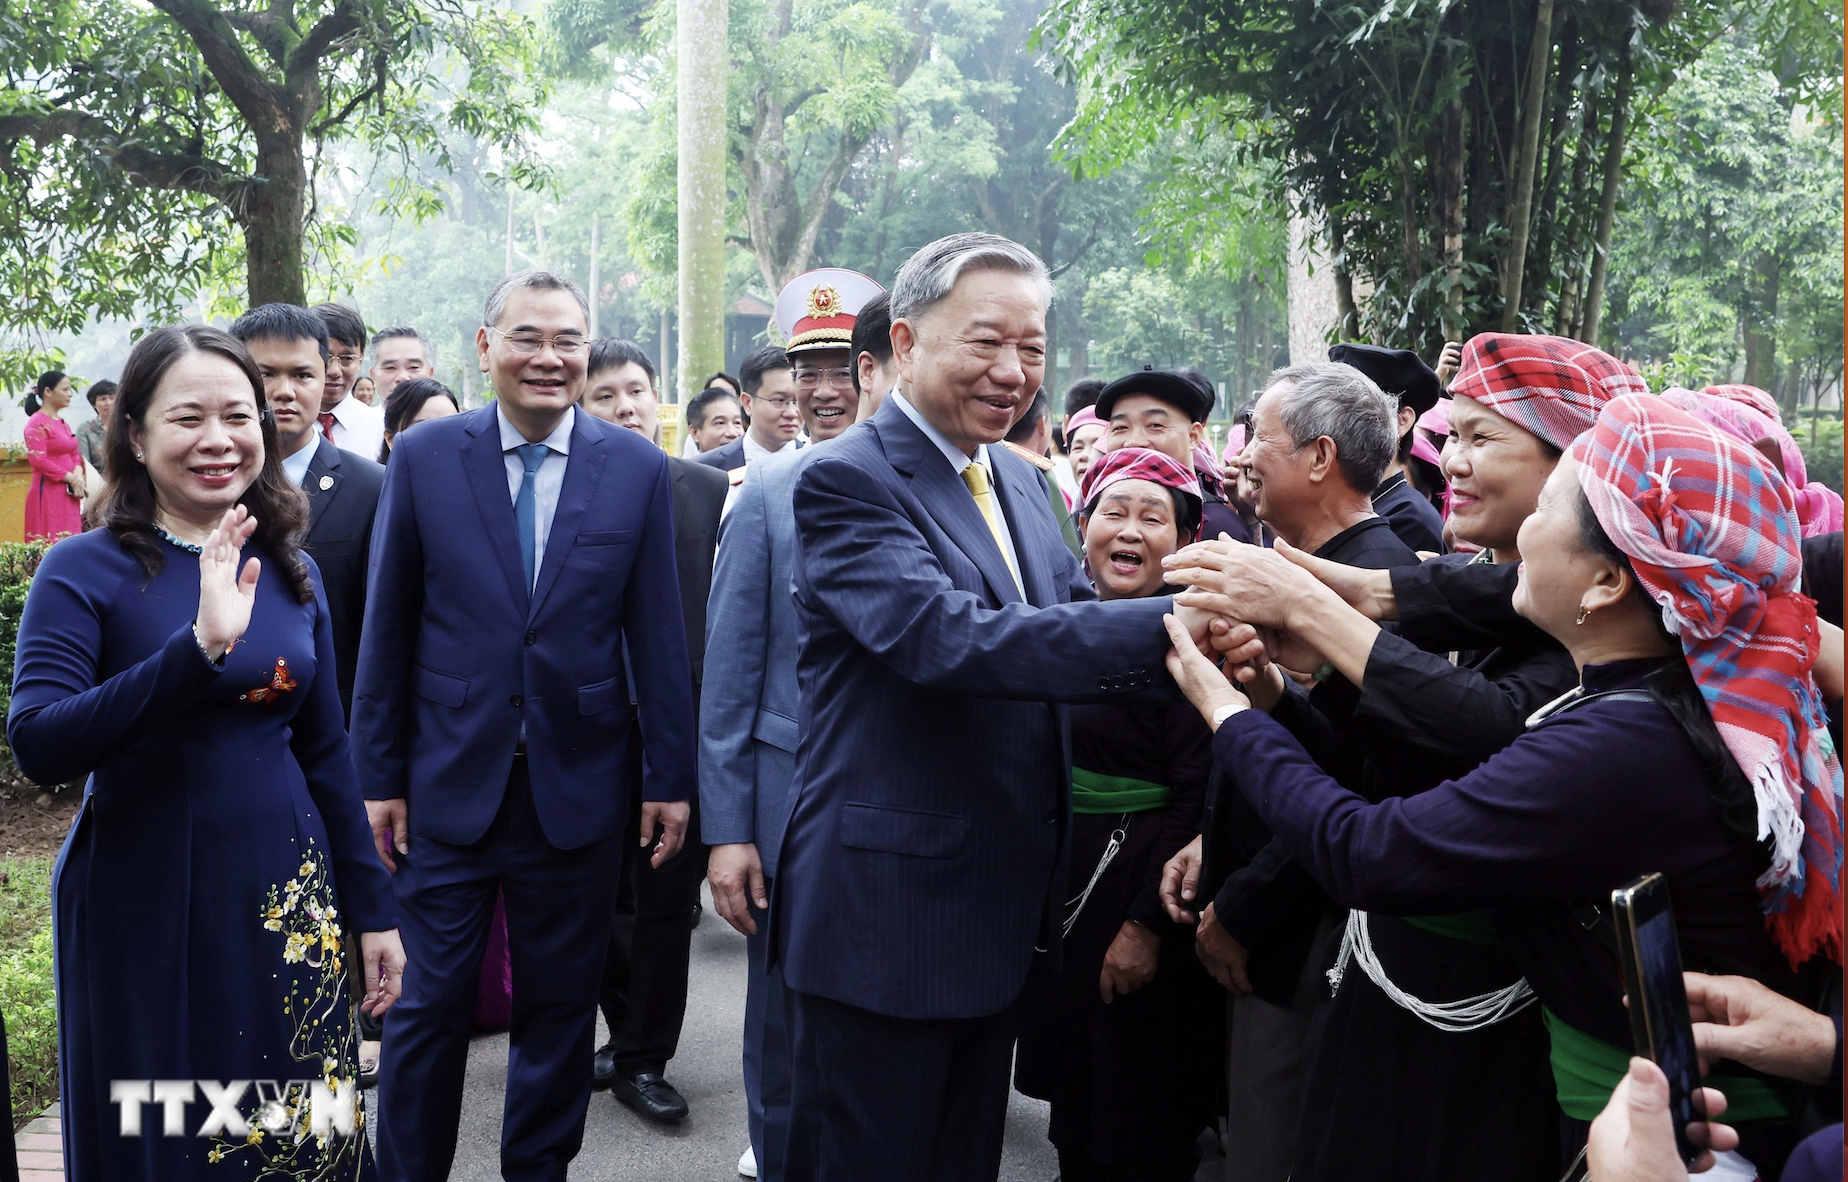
(1052, 816)
(1103, 683)
(532, 638)
(1116, 682)
(517, 701)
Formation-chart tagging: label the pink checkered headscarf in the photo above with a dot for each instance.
(1741, 412)
(1711, 532)
(1135, 463)
(1552, 386)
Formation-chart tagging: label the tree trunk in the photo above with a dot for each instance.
(1520, 217)
(1347, 327)
(1607, 202)
(1450, 193)
(596, 246)
(1565, 314)
(704, 54)
(273, 224)
(1545, 222)
(1761, 321)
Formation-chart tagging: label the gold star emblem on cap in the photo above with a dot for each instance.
(824, 301)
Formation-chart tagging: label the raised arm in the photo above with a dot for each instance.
(865, 564)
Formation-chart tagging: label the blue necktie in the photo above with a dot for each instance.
(525, 507)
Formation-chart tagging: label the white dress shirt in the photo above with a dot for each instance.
(358, 428)
(754, 450)
(959, 461)
(546, 482)
(295, 467)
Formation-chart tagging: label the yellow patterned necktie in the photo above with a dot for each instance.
(976, 477)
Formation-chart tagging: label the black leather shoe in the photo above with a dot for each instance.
(603, 1067)
(650, 1095)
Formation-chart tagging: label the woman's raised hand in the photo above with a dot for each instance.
(226, 595)
(1200, 679)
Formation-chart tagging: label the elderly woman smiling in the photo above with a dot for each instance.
(1119, 1041)
(1649, 765)
(1434, 1017)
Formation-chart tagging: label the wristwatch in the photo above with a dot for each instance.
(1228, 710)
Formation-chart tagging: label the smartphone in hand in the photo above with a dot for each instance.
(1659, 1023)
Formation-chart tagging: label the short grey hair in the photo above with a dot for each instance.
(535, 280)
(929, 276)
(1326, 398)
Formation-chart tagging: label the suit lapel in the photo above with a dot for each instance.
(1020, 497)
(487, 479)
(945, 497)
(326, 463)
(583, 469)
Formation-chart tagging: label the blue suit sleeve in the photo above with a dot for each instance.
(656, 632)
(866, 565)
(319, 740)
(387, 646)
(737, 629)
(62, 723)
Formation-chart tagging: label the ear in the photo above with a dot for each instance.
(904, 347)
(481, 350)
(1611, 584)
(864, 367)
(1408, 418)
(1195, 431)
(1322, 463)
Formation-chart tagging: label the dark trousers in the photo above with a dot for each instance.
(644, 990)
(897, 1099)
(558, 916)
(766, 1053)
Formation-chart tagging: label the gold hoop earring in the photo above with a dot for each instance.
(1584, 614)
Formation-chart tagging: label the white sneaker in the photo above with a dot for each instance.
(747, 1165)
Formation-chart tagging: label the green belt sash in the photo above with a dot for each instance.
(1471, 927)
(1586, 1071)
(1093, 792)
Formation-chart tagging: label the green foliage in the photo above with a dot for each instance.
(153, 156)
(18, 562)
(1728, 259)
(26, 994)
(1821, 442)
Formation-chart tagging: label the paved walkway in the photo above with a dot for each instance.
(618, 1145)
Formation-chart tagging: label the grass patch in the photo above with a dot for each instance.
(26, 997)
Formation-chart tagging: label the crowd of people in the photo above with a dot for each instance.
(1274, 795)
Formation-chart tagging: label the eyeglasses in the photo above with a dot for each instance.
(778, 405)
(349, 358)
(808, 379)
(529, 344)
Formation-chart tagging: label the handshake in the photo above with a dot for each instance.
(1251, 617)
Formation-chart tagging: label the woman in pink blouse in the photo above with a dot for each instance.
(54, 500)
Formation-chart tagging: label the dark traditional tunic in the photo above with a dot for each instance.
(1410, 514)
(1263, 899)
(1571, 810)
(1217, 517)
(1131, 1083)
(1387, 1094)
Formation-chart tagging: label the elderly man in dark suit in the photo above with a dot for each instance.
(290, 346)
(941, 625)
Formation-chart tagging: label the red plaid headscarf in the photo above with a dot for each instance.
(1819, 507)
(1209, 475)
(1711, 531)
(1135, 463)
(1552, 386)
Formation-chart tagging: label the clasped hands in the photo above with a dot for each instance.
(1251, 601)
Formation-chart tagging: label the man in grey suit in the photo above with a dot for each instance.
(748, 727)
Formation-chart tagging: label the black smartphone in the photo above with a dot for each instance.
(1658, 1007)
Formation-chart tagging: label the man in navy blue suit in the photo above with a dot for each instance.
(942, 621)
(523, 573)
